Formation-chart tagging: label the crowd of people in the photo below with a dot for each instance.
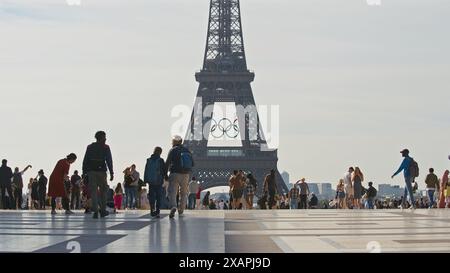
(170, 186)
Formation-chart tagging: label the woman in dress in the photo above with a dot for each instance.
(357, 179)
(118, 196)
(56, 183)
(443, 196)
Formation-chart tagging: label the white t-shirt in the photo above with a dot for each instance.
(348, 180)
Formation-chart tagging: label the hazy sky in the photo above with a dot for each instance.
(355, 83)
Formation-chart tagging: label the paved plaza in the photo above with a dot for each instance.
(229, 231)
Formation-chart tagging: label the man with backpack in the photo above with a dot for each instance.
(154, 175)
(410, 170)
(180, 163)
(97, 161)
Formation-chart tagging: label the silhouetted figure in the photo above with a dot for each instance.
(75, 182)
(42, 189)
(59, 184)
(5, 185)
(97, 161)
(270, 186)
(17, 185)
(154, 175)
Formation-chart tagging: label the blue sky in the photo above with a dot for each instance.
(355, 84)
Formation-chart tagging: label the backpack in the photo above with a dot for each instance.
(186, 160)
(413, 168)
(153, 174)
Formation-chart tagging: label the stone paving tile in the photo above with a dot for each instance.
(228, 231)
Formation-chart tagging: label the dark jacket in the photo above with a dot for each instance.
(73, 181)
(371, 192)
(98, 158)
(42, 182)
(173, 162)
(5, 175)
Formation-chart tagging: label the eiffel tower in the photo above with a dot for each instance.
(225, 78)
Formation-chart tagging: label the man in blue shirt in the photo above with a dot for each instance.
(409, 179)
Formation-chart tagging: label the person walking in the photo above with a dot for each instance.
(432, 182)
(410, 171)
(235, 183)
(17, 185)
(357, 179)
(193, 188)
(6, 175)
(371, 194)
(154, 175)
(348, 188)
(56, 185)
(97, 160)
(75, 182)
(270, 186)
(304, 193)
(294, 195)
(251, 188)
(444, 196)
(42, 189)
(180, 163)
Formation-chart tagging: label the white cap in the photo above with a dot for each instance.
(177, 138)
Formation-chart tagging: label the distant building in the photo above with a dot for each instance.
(388, 190)
(314, 188)
(326, 191)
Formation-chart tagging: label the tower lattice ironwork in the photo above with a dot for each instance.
(225, 78)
